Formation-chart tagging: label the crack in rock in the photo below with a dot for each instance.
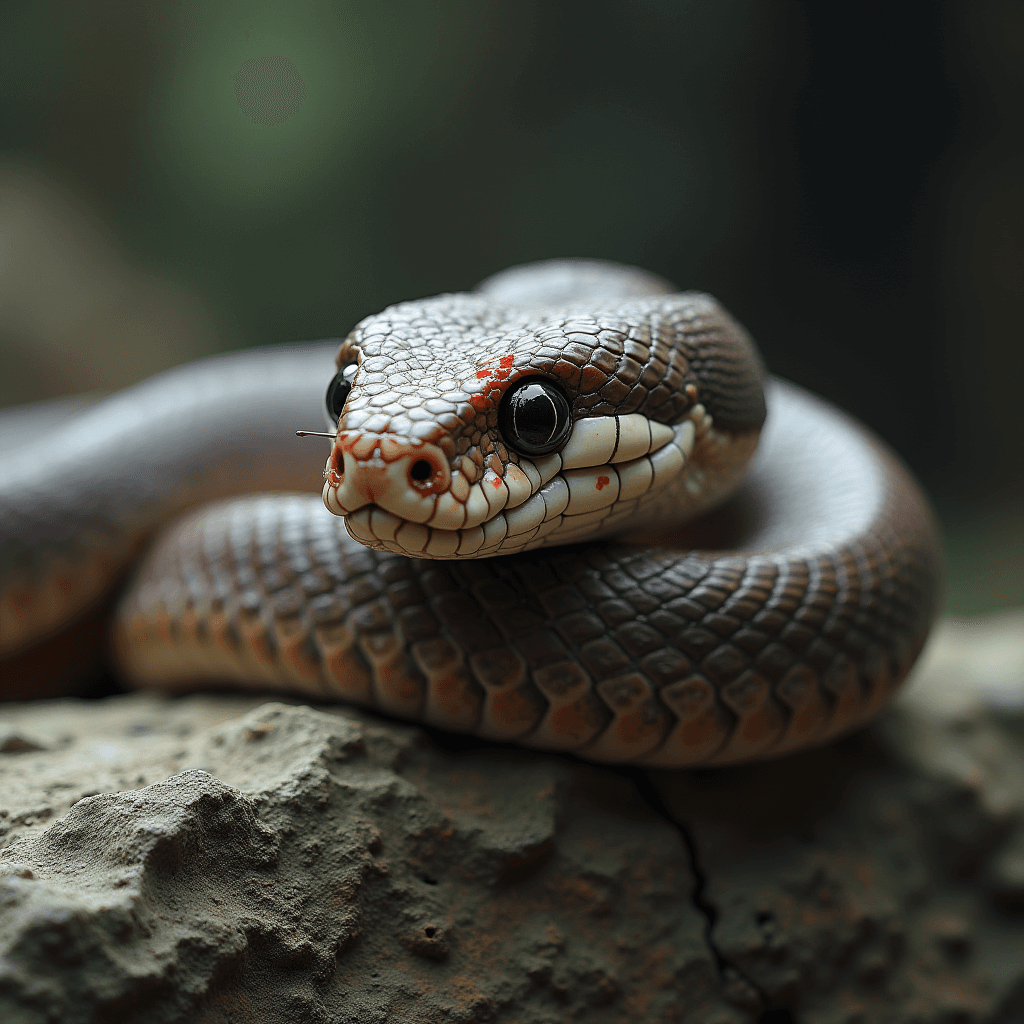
(738, 988)
(210, 859)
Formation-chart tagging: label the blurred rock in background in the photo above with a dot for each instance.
(189, 177)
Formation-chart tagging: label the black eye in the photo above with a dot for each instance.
(337, 393)
(535, 417)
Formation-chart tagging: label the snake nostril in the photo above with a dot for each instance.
(421, 471)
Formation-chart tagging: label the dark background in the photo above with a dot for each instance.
(848, 179)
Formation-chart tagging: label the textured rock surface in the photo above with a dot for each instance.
(216, 859)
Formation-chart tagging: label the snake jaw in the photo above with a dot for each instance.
(563, 497)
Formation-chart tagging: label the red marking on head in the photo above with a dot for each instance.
(479, 402)
(602, 481)
(496, 482)
(499, 372)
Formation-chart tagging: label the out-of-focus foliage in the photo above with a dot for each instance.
(434, 145)
(849, 180)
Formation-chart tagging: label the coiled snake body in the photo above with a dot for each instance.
(485, 447)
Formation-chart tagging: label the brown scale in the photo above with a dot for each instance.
(640, 721)
(512, 704)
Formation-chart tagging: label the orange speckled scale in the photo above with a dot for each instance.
(258, 639)
(843, 687)
(297, 657)
(877, 681)
(19, 612)
(453, 699)
(575, 714)
(347, 676)
(760, 721)
(138, 632)
(640, 721)
(702, 726)
(511, 714)
(809, 710)
(160, 626)
(512, 705)
(222, 632)
(191, 628)
(398, 687)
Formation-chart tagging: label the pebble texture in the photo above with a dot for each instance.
(212, 859)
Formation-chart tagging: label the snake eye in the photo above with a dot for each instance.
(535, 417)
(337, 393)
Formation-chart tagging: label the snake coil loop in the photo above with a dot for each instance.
(473, 561)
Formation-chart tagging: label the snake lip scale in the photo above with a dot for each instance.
(567, 510)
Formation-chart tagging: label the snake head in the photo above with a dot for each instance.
(472, 427)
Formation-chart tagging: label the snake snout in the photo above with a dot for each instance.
(403, 475)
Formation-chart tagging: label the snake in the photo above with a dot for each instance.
(568, 510)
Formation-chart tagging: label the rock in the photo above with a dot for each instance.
(307, 865)
(118, 899)
(214, 859)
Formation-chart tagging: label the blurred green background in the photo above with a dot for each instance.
(187, 177)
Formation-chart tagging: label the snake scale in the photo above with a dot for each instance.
(567, 510)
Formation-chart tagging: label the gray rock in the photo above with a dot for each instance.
(309, 865)
(210, 859)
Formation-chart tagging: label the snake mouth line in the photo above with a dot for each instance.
(559, 499)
